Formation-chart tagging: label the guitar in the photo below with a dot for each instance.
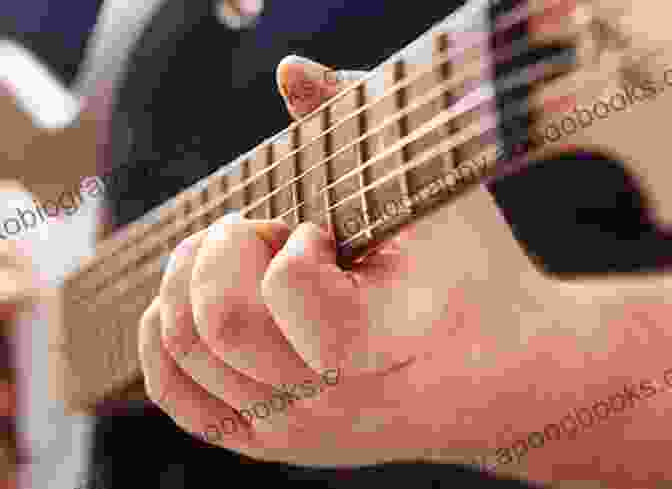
(480, 94)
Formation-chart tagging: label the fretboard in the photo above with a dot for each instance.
(385, 152)
(415, 134)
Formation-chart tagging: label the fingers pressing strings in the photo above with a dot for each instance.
(181, 369)
(229, 311)
(182, 341)
(322, 309)
(188, 349)
(191, 407)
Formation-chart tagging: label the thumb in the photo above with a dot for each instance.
(305, 84)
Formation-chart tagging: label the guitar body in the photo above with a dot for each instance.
(516, 298)
(96, 348)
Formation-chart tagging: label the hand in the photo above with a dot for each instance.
(202, 339)
(424, 355)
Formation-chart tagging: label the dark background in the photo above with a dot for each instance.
(55, 30)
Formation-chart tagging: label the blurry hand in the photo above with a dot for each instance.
(19, 292)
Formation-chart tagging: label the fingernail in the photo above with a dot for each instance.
(221, 224)
(295, 247)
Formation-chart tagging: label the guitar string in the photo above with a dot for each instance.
(151, 268)
(148, 270)
(504, 23)
(447, 116)
(511, 165)
(136, 230)
(470, 75)
(186, 196)
(168, 233)
(189, 223)
(416, 162)
(171, 232)
(140, 276)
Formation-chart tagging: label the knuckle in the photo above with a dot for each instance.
(180, 263)
(221, 324)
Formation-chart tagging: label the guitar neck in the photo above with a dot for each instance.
(414, 135)
(393, 147)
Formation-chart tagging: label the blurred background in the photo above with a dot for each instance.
(56, 31)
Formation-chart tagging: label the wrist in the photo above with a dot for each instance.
(589, 397)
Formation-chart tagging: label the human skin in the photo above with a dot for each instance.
(20, 290)
(248, 305)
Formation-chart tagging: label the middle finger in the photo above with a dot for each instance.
(181, 339)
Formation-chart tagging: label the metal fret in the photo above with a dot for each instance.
(205, 193)
(445, 72)
(260, 187)
(185, 213)
(244, 176)
(222, 186)
(420, 177)
(285, 199)
(363, 155)
(355, 212)
(328, 151)
(270, 177)
(240, 198)
(297, 193)
(316, 180)
(401, 98)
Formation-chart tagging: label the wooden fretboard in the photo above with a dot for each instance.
(385, 152)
